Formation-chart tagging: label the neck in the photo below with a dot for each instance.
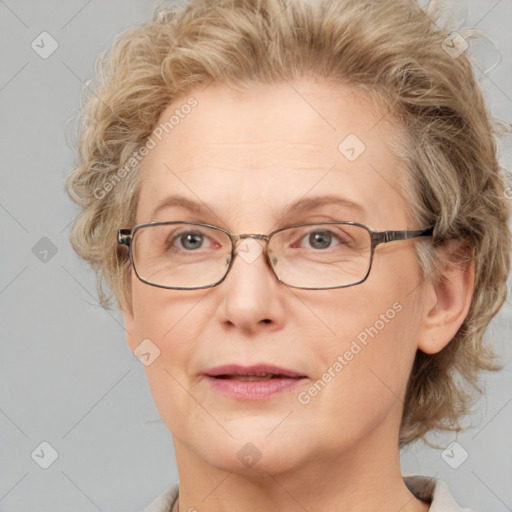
(364, 478)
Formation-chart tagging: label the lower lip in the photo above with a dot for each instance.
(253, 389)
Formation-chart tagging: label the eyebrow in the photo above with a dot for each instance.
(305, 204)
(299, 206)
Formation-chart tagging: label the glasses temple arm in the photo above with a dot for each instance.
(391, 236)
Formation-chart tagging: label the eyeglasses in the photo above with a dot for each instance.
(191, 255)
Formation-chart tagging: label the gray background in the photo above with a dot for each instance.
(67, 375)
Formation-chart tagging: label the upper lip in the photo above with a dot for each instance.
(236, 369)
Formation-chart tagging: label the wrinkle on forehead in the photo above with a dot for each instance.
(267, 147)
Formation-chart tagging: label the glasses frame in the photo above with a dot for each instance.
(125, 237)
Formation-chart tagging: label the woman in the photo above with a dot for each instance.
(299, 210)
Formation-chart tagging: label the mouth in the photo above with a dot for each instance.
(252, 383)
(252, 377)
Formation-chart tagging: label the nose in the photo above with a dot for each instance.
(252, 296)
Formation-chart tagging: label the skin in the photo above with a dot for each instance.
(248, 156)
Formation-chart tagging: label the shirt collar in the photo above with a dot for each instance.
(430, 490)
(433, 491)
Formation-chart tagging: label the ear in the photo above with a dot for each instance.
(448, 299)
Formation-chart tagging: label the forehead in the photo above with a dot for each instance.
(247, 153)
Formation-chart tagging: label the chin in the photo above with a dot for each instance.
(252, 453)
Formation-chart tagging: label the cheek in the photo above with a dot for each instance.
(361, 381)
(160, 313)
(172, 320)
(368, 334)
(363, 367)
(149, 309)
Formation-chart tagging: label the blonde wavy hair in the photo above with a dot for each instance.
(392, 50)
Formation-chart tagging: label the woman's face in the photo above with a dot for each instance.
(244, 159)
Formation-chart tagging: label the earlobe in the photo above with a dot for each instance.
(450, 298)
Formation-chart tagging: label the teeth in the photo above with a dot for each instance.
(250, 376)
(260, 376)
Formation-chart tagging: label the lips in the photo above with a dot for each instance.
(254, 372)
(257, 382)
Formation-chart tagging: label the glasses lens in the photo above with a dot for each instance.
(181, 255)
(321, 256)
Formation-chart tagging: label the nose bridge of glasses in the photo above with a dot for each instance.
(255, 236)
(239, 240)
